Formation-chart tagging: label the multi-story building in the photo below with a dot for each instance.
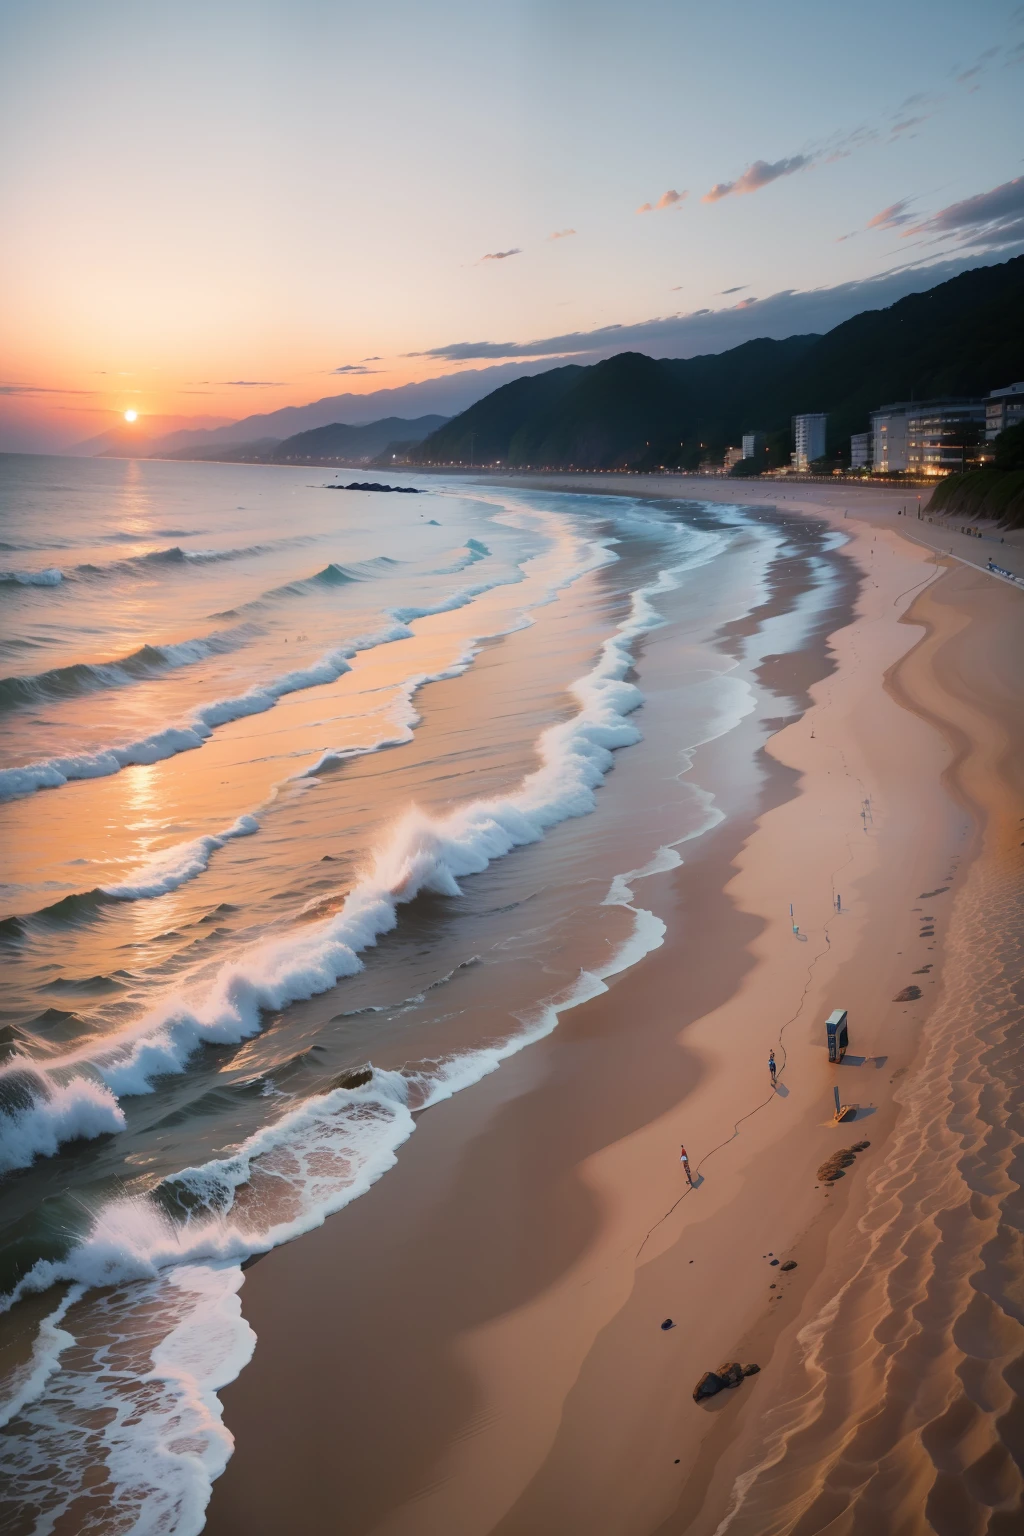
(1003, 408)
(860, 450)
(753, 444)
(945, 438)
(808, 439)
(890, 431)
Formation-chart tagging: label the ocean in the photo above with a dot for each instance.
(316, 805)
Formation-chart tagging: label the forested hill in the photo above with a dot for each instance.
(964, 337)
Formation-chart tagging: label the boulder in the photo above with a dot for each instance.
(731, 1374)
(908, 995)
(789, 1264)
(709, 1384)
(751, 1370)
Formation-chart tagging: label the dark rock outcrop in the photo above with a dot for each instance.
(833, 1168)
(730, 1374)
(371, 485)
(908, 995)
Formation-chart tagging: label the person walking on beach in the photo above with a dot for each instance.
(771, 1066)
(686, 1165)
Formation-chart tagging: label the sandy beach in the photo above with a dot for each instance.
(478, 1346)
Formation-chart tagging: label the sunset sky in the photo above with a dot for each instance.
(217, 208)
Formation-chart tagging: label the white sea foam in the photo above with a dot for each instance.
(317, 1157)
(174, 866)
(54, 772)
(145, 1411)
(48, 578)
(423, 854)
(40, 1113)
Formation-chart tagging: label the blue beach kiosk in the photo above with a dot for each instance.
(838, 1036)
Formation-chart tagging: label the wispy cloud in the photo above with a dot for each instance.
(561, 234)
(786, 313)
(738, 289)
(904, 125)
(500, 255)
(41, 389)
(760, 174)
(358, 367)
(893, 216)
(988, 221)
(252, 383)
(669, 199)
(841, 145)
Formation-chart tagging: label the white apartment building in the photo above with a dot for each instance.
(1003, 408)
(860, 450)
(889, 438)
(808, 439)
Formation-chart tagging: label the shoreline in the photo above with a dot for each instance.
(550, 1417)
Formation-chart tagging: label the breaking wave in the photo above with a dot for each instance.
(147, 662)
(54, 772)
(424, 854)
(11, 580)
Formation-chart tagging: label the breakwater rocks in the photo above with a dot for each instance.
(371, 485)
(833, 1168)
(728, 1375)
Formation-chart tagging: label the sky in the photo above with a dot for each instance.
(220, 208)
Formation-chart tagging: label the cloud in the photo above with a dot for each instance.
(891, 217)
(756, 176)
(39, 389)
(840, 146)
(904, 125)
(252, 383)
(358, 367)
(373, 359)
(501, 255)
(561, 234)
(786, 313)
(738, 289)
(669, 199)
(990, 220)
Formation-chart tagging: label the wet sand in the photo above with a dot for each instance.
(477, 1347)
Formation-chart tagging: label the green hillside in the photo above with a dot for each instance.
(964, 337)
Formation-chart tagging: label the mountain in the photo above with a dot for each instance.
(963, 337)
(137, 440)
(442, 396)
(258, 450)
(340, 443)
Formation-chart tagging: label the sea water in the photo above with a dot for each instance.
(309, 822)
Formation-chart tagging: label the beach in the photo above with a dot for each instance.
(385, 919)
(479, 1345)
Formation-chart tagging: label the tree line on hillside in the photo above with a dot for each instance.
(994, 491)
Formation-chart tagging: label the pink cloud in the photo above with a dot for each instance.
(756, 176)
(667, 199)
(993, 219)
(891, 217)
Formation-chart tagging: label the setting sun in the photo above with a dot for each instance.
(131, 415)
